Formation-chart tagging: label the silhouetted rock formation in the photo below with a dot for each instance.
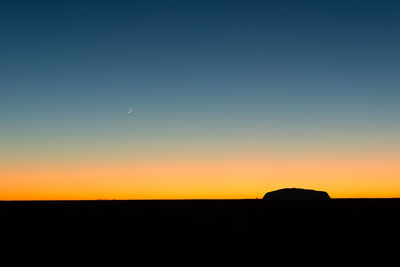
(297, 193)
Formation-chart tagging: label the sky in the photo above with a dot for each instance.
(231, 99)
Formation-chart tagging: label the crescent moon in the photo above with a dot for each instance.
(130, 111)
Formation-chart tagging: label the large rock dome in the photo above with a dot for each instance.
(297, 193)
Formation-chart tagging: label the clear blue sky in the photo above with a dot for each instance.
(203, 76)
(191, 67)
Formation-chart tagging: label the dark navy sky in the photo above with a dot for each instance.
(241, 74)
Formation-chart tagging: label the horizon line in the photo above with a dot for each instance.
(182, 199)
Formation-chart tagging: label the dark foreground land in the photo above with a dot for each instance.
(204, 218)
(202, 230)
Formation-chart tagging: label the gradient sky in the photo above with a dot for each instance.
(232, 98)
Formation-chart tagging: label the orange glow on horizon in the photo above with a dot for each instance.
(199, 179)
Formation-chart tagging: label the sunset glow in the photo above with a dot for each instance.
(200, 178)
(198, 99)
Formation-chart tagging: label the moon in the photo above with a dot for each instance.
(130, 111)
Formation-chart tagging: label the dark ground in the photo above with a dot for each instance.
(216, 217)
(289, 225)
